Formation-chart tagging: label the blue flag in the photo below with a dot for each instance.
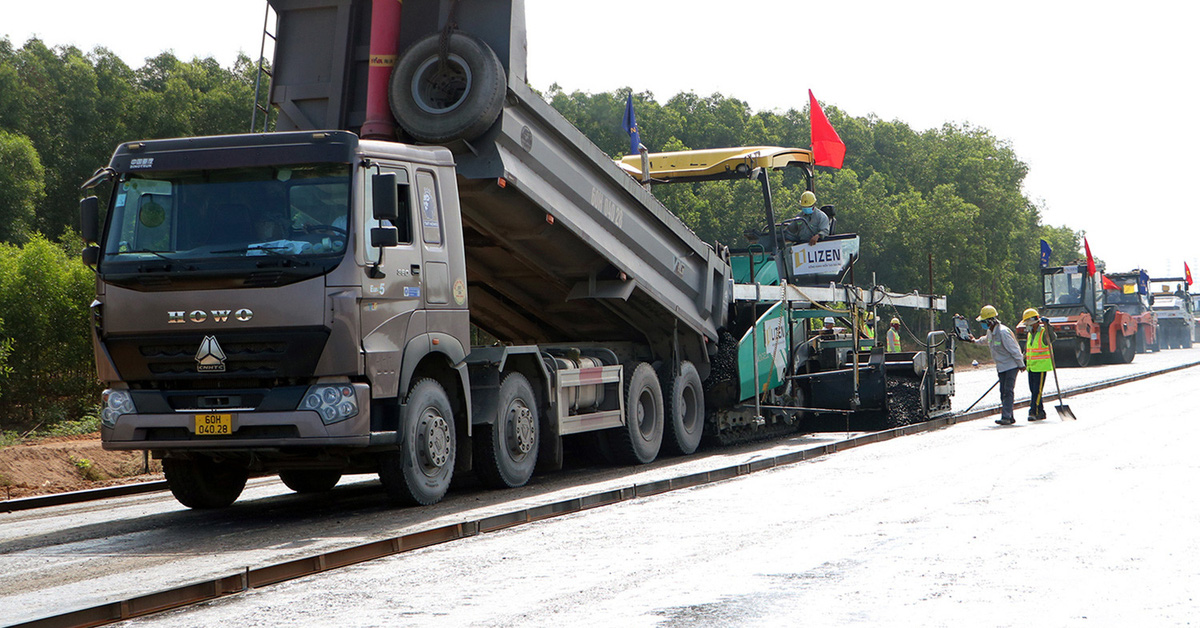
(1143, 282)
(1045, 253)
(631, 127)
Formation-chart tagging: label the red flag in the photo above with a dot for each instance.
(1108, 284)
(1091, 262)
(1187, 274)
(828, 149)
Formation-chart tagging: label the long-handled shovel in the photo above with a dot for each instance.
(982, 396)
(1064, 411)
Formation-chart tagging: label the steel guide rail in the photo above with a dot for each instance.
(252, 578)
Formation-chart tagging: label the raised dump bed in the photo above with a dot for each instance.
(561, 244)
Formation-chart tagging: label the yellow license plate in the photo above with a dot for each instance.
(214, 424)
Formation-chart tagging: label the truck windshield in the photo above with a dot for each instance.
(1064, 287)
(297, 211)
(1125, 294)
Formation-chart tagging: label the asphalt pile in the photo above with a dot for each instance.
(904, 402)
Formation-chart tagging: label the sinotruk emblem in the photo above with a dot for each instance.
(210, 358)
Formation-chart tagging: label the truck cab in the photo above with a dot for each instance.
(262, 300)
(1129, 292)
(1086, 326)
(1175, 310)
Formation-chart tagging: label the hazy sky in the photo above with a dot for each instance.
(1097, 97)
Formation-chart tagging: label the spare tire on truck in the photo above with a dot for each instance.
(439, 102)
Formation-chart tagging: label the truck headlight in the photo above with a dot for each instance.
(334, 402)
(116, 403)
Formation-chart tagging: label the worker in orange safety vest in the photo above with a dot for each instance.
(1039, 359)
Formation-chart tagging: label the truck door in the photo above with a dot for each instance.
(443, 275)
(436, 272)
(391, 288)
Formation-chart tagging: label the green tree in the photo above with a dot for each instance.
(21, 186)
(52, 372)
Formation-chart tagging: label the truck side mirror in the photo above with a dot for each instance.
(89, 219)
(383, 196)
(384, 236)
(91, 255)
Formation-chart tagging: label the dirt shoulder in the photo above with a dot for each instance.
(68, 463)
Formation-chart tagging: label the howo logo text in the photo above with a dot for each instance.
(217, 316)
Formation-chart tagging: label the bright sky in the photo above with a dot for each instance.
(1096, 96)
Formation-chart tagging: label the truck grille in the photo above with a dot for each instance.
(249, 355)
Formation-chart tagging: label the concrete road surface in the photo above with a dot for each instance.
(1087, 523)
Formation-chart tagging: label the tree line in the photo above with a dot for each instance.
(953, 193)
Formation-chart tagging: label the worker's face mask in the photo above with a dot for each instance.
(807, 211)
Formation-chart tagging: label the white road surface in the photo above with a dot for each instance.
(1087, 523)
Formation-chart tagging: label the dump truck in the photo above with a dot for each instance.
(1129, 292)
(1176, 314)
(1087, 328)
(464, 293)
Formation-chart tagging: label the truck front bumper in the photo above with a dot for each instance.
(249, 430)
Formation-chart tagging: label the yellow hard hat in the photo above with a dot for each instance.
(1029, 313)
(808, 199)
(895, 321)
(870, 316)
(986, 313)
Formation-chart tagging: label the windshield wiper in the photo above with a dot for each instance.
(277, 251)
(145, 268)
(158, 254)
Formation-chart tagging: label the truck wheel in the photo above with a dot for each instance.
(508, 449)
(420, 472)
(310, 480)
(684, 412)
(1076, 353)
(461, 99)
(1125, 350)
(204, 482)
(639, 440)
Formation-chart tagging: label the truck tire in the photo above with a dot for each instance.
(507, 451)
(638, 441)
(420, 472)
(310, 480)
(1074, 352)
(1125, 350)
(684, 409)
(460, 100)
(1139, 343)
(204, 483)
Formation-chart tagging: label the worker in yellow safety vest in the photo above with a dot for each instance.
(867, 326)
(893, 337)
(1038, 359)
